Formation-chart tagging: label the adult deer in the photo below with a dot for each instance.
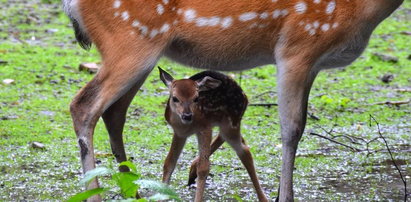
(195, 106)
(300, 36)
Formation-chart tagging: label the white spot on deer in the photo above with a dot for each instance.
(330, 7)
(316, 24)
(165, 28)
(132, 33)
(253, 25)
(125, 15)
(262, 25)
(143, 30)
(284, 12)
(264, 15)
(335, 25)
(135, 23)
(276, 13)
(300, 7)
(211, 21)
(175, 22)
(226, 22)
(325, 27)
(312, 32)
(301, 23)
(179, 11)
(190, 15)
(116, 14)
(160, 9)
(317, 1)
(308, 26)
(247, 16)
(116, 4)
(153, 33)
(165, 2)
(274, 1)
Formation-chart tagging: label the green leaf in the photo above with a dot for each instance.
(86, 194)
(125, 181)
(129, 165)
(237, 198)
(91, 174)
(162, 189)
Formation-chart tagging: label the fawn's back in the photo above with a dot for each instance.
(227, 100)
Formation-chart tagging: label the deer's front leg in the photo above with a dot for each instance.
(217, 142)
(203, 166)
(172, 157)
(295, 78)
(123, 68)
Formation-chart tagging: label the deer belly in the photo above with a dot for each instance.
(209, 54)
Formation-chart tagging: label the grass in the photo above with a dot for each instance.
(41, 56)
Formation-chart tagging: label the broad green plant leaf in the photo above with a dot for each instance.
(162, 189)
(125, 181)
(130, 165)
(90, 175)
(86, 194)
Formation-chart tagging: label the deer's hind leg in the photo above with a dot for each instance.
(233, 137)
(296, 74)
(114, 118)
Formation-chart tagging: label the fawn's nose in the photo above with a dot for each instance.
(187, 116)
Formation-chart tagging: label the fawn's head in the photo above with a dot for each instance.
(184, 94)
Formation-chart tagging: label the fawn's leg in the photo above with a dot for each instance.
(295, 77)
(217, 142)
(203, 166)
(172, 157)
(233, 137)
(123, 67)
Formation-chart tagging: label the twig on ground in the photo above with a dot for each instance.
(267, 92)
(396, 103)
(352, 148)
(392, 158)
(263, 104)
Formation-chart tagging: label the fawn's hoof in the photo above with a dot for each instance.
(192, 176)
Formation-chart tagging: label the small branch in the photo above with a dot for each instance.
(392, 158)
(396, 103)
(267, 92)
(331, 140)
(263, 104)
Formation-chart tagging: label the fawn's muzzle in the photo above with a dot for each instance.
(187, 117)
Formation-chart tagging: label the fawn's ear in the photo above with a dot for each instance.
(165, 77)
(207, 83)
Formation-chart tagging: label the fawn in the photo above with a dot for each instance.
(195, 106)
(301, 37)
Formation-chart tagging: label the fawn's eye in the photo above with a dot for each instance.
(175, 99)
(196, 99)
